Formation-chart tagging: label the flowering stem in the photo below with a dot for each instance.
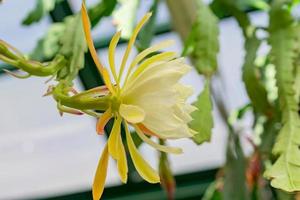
(167, 179)
(33, 68)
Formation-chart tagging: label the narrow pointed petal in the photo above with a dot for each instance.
(131, 113)
(88, 36)
(89, 39)
(107, 81)
(105, 117)
(147, 52)
(143, 168)
(116, 149)
(159, 147)
(111, 54)
(131, 42)
(100, 177)
(122, 161)
(165, 56)
(113, 146)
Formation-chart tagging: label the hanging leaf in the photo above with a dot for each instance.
(285, 172)
(42, 8)
(102, 9)
(255, 88)
(202, 117)
(73, 47)
(48, 46)
(235, 171)
(202, 44)
(125, 15)
(236, 9)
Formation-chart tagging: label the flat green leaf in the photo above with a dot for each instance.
(285, 172)
(202, 44)
(125, 16)
(42, 8)
(101, 9)
(255, 88)
(73, 47)
(49, 45)
(202, 118)
(235, 171)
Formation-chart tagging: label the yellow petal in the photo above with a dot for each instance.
(89, 39)
(143, 168)
(159, 147)
(113, 139)
(106, 116)
(116, 149)
(131, 42)
(111, 54)
(99, 180)
(107, 81)
(148, 51)
(122, 161)
(131, 113)
(165, 56)
(88, 36)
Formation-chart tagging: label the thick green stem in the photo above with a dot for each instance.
(101, 103)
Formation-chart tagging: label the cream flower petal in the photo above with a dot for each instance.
(184, 91)
(157, 92)
(131, 113)
(155, 78)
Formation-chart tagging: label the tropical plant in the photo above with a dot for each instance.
(271, 171)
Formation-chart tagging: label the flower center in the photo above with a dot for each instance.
(115, 103)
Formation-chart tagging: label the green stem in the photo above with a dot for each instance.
(33, 68)
(6, 52)
(41, 70)
(101, 103)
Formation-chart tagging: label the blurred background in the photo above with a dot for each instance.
(44, 155)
